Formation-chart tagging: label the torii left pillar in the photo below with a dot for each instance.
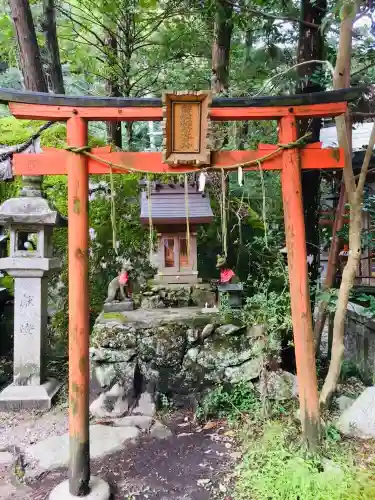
(79, 483)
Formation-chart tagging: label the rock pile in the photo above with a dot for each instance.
(138, 354)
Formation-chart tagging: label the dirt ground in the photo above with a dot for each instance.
(195, 463)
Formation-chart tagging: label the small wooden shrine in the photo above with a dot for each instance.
(170, 208)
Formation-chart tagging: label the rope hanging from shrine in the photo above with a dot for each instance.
(223, 202)
(150, 222)
(264, 213)
(186, 187)
(113, 212)
(85, 150)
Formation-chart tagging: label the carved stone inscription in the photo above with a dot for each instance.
(186, 118)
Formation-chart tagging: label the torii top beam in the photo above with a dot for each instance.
(38, 105)
(34, 105)
(334, 96)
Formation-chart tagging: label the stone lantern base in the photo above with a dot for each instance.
(29, 397)
(30, 221)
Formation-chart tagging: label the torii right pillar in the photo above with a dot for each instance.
(299, 284)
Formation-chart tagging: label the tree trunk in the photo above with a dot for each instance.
(249, 38)
(29, 55)
(341, 80)
(114, 133)
(331, 318)
(55, 76)
(30, 63)
(311, 46)
(221, 41)
(329, 280)
(355, 195)
(221, 46)
(348, 275)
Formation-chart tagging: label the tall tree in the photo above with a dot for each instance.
(54, 75)
(112, 87)
(125, 39)
(29, 55)
(223, 28)
(311, 47)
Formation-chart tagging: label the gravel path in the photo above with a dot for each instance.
(24, 427)
(195, 463)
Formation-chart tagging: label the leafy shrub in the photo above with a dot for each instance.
(272, 469)
(271, 309)
(230, 402)
(349, 369)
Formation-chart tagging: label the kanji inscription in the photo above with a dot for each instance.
(186, 128)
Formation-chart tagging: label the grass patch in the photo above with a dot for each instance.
(275, 464)
(231, 402)
(276, 467)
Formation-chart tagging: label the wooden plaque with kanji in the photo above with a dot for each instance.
(186, 128)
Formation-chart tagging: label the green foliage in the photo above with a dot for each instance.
(348, 370)
(274, 467)
(15, 131)
(229, 402)
(165, 404)
(329, 296)
(226, 312)
(8, 283)
(331, 433)
(271, 309)
(368, 303)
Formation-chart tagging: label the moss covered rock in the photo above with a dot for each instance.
(175, 351)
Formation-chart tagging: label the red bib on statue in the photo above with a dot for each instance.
(124, 278)
(226, 275)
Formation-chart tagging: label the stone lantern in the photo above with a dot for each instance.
(30, 221)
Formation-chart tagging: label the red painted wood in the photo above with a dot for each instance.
(42, 111)
(276, 112)
(78, 238)
(53, 161)
(299, 284)
(60, 113)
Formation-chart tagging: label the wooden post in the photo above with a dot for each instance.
(79, 463)
(299, 285)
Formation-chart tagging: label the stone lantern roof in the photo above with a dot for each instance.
(30, 210)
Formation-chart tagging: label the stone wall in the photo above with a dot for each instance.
(360, 341)
(178, 295)
(178, 352)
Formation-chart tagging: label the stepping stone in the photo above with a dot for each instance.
(146, 405)
(344, 402)
(160, 431)
(143, 422)
(359, 419)
(6, 458)
(53, 452)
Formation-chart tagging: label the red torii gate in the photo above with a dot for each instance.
(77, 112)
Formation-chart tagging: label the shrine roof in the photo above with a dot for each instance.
(168, 206)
